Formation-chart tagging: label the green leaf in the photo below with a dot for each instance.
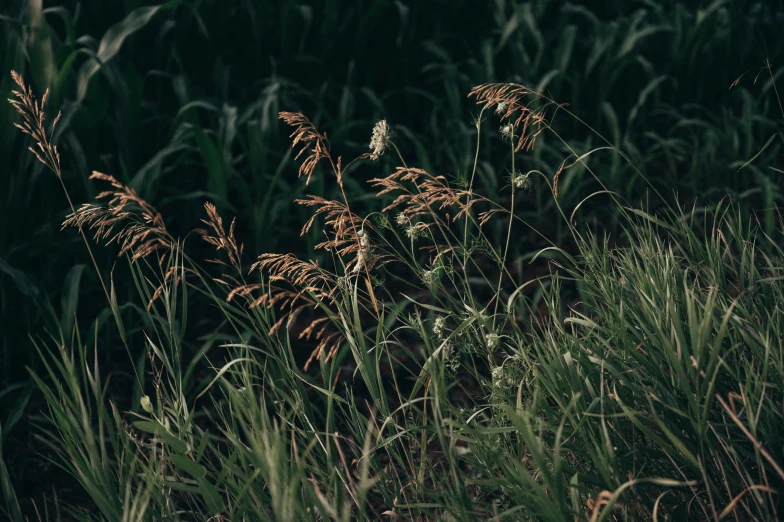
(19, 278)
(156, 428)
(179, 486)
(216, 176)
(211, 496)
(39, 46)
(564, 51)
(69, 299)
(767, 144)
(116, 312)
(112, 41)
(643, 96)
(194, 469)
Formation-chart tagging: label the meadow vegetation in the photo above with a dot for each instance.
(552, 311)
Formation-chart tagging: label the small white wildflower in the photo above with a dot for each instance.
(379, 140)
(412, 232)
(364, 249)
(501, 107)
(498, 376)
(401, 219)
(429, 277)
(146, 404)
(492, 340)
(438, 325)
(522, 181)
(359, 263)
(243, 393)
(462, 450)
(364, 241)
(507, 131)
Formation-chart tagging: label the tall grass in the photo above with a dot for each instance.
(180, 98)
(636, 376)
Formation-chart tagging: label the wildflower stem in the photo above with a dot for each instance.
(468, 200)
(508, 234)
(471, 189)
(444, 232)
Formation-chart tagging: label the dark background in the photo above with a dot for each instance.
(181, 104)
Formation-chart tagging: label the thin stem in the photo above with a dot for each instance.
(508, 233)
(139, 381)
(471, 190)
(444, 229)
(84, 237)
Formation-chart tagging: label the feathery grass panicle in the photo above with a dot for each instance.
(220, 239)
(306, 134)
(294, 286)
(33, 118)
(310, 140)
(127, 219)
(509, 98)
(428, 191)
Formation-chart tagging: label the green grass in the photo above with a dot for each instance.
(620, 342)
(642, 380)
(182, 106)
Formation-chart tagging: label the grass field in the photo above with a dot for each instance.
(548, 289)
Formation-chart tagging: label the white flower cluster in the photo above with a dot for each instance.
(379, 140)
(498, 376)
(507, 131)
(492, 341)
(522, 181)
(364, 250)
(429, 277)
(412, 232)
(438, 325)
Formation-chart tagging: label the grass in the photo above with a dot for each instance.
(630, 372)
(179, 101)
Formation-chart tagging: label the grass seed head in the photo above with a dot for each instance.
(33, 118)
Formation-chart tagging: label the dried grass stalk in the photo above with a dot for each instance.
(220, 239)
(311, 141)
(531, 120)
(127, 219)
(33, 118)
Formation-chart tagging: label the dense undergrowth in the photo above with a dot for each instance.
(179, 101)
(441, 387)
(508, 317)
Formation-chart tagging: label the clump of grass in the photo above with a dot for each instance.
(636, 382)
